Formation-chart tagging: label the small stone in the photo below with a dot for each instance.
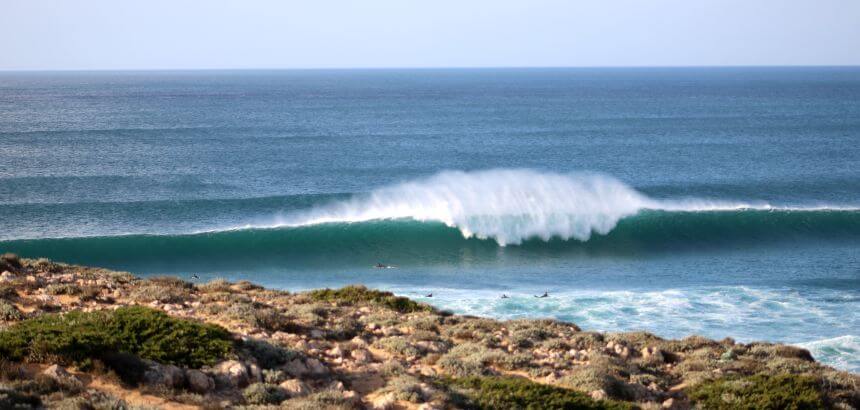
(199, 382)
(598, 395)
(668, 404)
(384, 402)
(61, 375)
(7, 276)
(295, 387)
(317, 334)
(335, 352)
(361, 356)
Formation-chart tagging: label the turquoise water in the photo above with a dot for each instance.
(722, 202)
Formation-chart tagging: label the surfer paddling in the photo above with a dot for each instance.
(381, 265)
(545, 295)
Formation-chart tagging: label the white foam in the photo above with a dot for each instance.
(742, 312)
(841, 352)
(508, 205)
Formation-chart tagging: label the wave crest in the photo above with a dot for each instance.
(506, 205)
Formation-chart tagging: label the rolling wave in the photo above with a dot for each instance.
(457, 216)
(413, 242)
(512, 206)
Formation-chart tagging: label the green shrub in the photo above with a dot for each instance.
(398, 345)
(63, 289)
(10, 262)
(359, 294)
(151, 334)
(517, 393)
(9, 312)
(164, 289)
(268, 355)
(261, 393)
(783, 391)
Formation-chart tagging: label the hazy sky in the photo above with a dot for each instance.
(160, 34)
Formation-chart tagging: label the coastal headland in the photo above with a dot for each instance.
(77, 337)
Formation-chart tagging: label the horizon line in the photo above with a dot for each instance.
(383, 68)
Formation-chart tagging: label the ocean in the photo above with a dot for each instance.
(723, 202)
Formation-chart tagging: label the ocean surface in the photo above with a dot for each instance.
(721, 202)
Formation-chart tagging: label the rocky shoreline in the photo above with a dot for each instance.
(76, 337)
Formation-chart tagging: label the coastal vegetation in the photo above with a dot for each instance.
(80, 337)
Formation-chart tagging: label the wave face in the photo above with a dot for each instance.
(456, 216)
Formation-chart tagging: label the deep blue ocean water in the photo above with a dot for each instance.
(721, 202)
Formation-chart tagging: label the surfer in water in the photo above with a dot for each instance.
(381, 265)
(504, 296)
(545, 295)
(429, 295)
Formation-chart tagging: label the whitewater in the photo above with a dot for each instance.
(513, 205)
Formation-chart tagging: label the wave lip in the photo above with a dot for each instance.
(511, 206)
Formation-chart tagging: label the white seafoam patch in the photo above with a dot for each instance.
(742, 312)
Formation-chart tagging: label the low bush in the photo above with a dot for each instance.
(9, 312)
(269, 356)
(328, 400)
(10, 262)
(261, 393)
(10, 399)
(356, 294)
(151, 334)
(762, 391)
(517, 393)
(163, 289)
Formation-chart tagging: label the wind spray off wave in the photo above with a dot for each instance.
(507, 205)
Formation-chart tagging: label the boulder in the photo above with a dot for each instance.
(232, 373)
(295, 368)
(61, 375)
(199, 382)
(295, 387)
(315, 367)
(163, 375)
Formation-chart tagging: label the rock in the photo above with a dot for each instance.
(598, 395)
(199, 382)
(384, 402)
(295, 387)
(675, 404)
(335, 352)
(175, 374)
(255, 374)
(61, 375)
(430, 406)
(163, 375)
(295, 368)
(390, 331)
(653, 354)
(317, 334)
(315, 367)
(7, 276)
(361, 356)
(233, 373)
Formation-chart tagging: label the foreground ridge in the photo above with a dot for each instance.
(80, 337)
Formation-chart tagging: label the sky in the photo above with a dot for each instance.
(214, 34)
